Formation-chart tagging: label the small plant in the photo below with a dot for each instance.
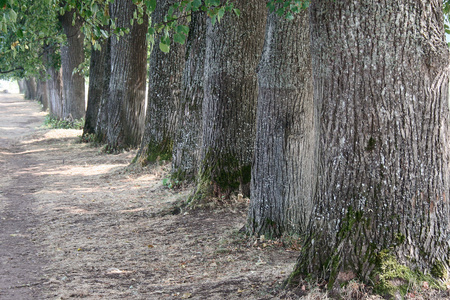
(171, 183)
(55, 123)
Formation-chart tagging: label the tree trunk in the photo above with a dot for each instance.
(30, 88)
(127, 83)
(284, 165)
(42, 95)
(22, 87)
(381, 83)
(101, 127)
(72, 55)
(186, 152)
(164, 88)
(233, 49)
(54, 83)
(96, 88)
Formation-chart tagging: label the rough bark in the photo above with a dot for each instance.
(233, 49)
(127, 83)
(96, 88)
(30, 88)
(101, 127)
(186, 150)
(381, 83)
(55, 92)
(72, 55)
(164, 87)
(22, 87)
(284, 165)
(54, 83)
(42, 94)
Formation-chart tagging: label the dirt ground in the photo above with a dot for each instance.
(78, 223)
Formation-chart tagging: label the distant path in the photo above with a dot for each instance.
(20, 265)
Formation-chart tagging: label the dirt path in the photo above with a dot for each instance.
(77, 223)
(20, 261)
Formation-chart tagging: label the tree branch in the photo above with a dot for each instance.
(12, 70)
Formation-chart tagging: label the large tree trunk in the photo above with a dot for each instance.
(101, 127)
(381, 83)
(233, 49)
(164, 88)
(42, 94)
(96, 88)
(72, 55)
(30, 88)
(54, 84)
(127, 83)
(284, 166)
(186, 151)
(55, 92)
(22, 87)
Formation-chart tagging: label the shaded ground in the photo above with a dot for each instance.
(77, 223)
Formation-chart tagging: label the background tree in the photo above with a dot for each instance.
(233, 49)
(381, 85)
(164, 87)
(54, 87)
(127, 84)
(72, 55)
(284, 164)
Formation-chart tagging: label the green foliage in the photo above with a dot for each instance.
(28, 28)
(173, 27)
(288, 8)
(446, 9)
(171, 183)
(55, 123)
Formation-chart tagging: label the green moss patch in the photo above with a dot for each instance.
(391, 277)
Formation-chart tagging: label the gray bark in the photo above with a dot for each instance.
(381, 83)
(54, 83)
(101, 127)
(30, 88)
(55, 92)
(233, 49)
(127, 82)
(164, 87)
(96, 88)
(22, 87)
(42, 94)
(284, 166)
(186, 152)
(72, 55)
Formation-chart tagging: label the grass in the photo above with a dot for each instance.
(55, 123)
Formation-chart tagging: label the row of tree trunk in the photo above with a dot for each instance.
(61, 88)
(335, 123)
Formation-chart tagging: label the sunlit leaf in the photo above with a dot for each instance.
(164, 47)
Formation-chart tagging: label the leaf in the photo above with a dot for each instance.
(183, 28)
(151, 5)
(179, 38)
(164, 47)
(221, 13)
(196, 4)
(12, 15)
